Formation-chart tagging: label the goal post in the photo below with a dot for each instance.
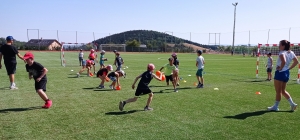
(262, 59)
(69, 52)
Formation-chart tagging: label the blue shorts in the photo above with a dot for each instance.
(83, 63)
(119, 67)
(112, 78)
(283, 76)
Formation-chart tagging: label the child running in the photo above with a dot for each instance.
(200, 64)
(269, 66)
(80, 57)
(169, 72)
(85, 65)
(176, 63)
(38, 73)
(102, 74)
(142, 87)
(115, 76)
(118, 61)
(92, 57)
(102, 59)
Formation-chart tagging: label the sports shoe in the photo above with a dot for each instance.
(175, 90)
(78, 75)
(177, 84)
(100, 87)
(48, 104)
(273, 108)
(294, 107)
(111, 87)
(147, 108)
(13, 87)
(121, 105)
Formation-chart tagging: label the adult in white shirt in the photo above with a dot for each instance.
(200, 64)
(80, 57)
(282, 74)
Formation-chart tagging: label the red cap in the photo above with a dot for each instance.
(151, 66)
(28, 55)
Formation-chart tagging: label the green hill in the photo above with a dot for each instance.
(148, 37)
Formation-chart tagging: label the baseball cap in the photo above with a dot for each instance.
(102, 51)
(115, 50)
(199, 51)
(9, 38)
(123, 73)
(109, 67)
(92, 50)
(151, 66)
(269, 53)
(174, 54)
(28, 55)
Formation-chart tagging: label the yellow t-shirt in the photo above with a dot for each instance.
(169, 69)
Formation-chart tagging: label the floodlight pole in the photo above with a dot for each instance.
(234, 4)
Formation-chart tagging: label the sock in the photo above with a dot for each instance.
(146, 106)
(199, 83)
(291, 101)
(276, 104)
(13, 84)
(124, 102)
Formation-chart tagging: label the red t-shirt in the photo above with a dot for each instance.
(92, 56)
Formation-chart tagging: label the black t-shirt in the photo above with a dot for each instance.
(101, 72)
(119, 60)
(176, 62)
(145, 80)
(36, 69)
(112, 74)
(9, 53)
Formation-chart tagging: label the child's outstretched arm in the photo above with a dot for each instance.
(133, 85)
(157, 78)
(161, 68)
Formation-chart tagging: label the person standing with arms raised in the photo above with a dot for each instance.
(9, 52)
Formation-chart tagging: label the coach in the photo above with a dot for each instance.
(9, 52)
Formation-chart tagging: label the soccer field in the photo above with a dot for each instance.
(82, 111)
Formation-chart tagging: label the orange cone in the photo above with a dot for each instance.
(195, 84)
(118, 87)
(257, 92)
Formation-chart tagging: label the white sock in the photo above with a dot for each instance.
(276, 104)
(291, 101)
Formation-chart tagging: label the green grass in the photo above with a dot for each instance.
(81, 111)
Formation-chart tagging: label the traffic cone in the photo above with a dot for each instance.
(258, 92)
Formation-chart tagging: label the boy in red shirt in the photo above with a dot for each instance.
(85, 65)
(102, 74)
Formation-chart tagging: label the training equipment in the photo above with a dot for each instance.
(91, 74)
(158, 73)
(71, 70)
(118, 87)
(216, 89)
(184, 81)
(163, 77)
(257, 92)
(107, 79)
(189, 75)
(261, 53)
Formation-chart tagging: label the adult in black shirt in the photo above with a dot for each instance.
(9, 52)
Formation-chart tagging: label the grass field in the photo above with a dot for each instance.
(81, 111)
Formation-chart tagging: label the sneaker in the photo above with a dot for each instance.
(78, 75)
(175, 90)
(294, 107)
(121, 105)
(177, 84)
(111, 87)
(48, 104)
(100, 87)
(13, 87)
(273, 108)
(148, 109)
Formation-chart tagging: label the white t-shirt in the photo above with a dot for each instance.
(269, 65)
(289, 56)
(200, 61)
(80, 54)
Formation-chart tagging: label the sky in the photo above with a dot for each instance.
(189, 19)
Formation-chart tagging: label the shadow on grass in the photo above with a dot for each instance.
(180, 88)
(73, 77)
(157, 86)
(122, 112)
(250, 80)
(4, 88)
(104, 90)
(163, 92)
(245, 115)
(19, 109)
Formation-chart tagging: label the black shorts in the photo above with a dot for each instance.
(169, 78)
(140, 91)
(10, 68)
(80, 59)
(269, 69)
(41, 84)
